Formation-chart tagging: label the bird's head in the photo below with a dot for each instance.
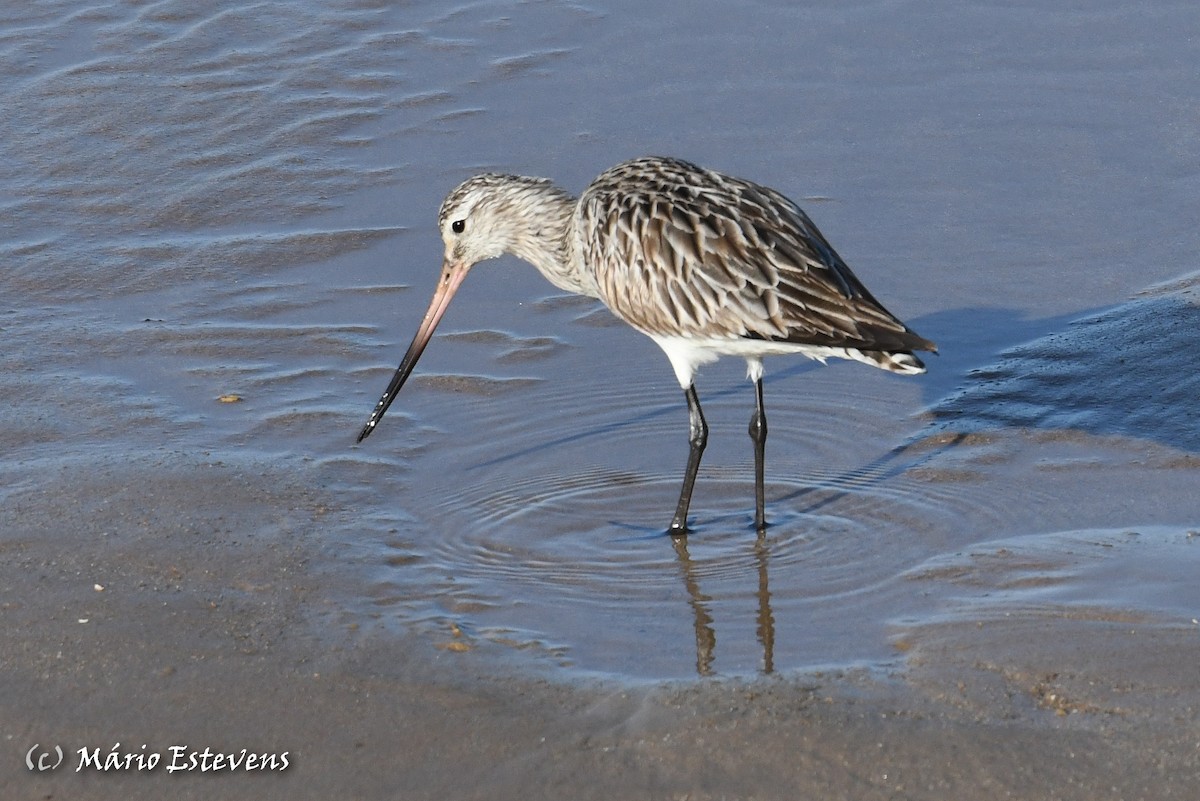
(491, 214)
(483, 218)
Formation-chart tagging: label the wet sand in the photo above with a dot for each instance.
(978, 584)
(207, 634)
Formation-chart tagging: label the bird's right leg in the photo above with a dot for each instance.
(758, 433)
(697, 439)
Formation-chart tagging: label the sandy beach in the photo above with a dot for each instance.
(206, 638)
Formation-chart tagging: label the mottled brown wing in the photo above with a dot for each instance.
(679, 250)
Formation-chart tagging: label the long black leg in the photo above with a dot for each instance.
(697, 439)
(758, 433)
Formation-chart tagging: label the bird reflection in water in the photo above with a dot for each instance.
(706, 634)
(765, 628)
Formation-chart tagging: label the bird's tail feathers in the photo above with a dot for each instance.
(901, 362)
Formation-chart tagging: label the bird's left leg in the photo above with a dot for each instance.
(758, 433)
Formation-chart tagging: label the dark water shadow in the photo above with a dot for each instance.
(897, 461)
(1132, 370)
(970, 337)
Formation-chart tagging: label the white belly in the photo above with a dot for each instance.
(687, 354)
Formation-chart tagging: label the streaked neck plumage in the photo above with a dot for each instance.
(529, 218)
(544, 235)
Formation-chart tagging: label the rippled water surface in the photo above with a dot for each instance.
(208, 199)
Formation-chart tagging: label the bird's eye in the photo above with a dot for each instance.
(458, 226)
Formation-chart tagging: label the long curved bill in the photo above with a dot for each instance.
(452, 277)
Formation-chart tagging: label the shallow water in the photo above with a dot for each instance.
(204, 199)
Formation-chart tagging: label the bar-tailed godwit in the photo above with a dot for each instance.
(705, 264)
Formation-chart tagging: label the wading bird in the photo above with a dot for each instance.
(705, 264)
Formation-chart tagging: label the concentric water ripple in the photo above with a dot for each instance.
(523, 544)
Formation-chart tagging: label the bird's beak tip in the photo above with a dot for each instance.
(453, 274)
